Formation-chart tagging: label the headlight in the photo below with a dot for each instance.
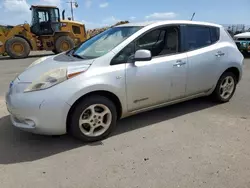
(54, 77)
(40, 60)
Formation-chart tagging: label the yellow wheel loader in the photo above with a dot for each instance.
(46, 32)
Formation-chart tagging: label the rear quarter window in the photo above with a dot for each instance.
(230, 37)
(215, 34)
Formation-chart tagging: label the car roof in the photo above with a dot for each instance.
(42, 6)
(143, 24)
(246, 34)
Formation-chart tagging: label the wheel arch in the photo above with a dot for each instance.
(62, 33)
(21, 36)
(235, 71)
(111, 96)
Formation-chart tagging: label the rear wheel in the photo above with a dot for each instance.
(225, 87)
(17, 47)
(93, 118)
(63, 44)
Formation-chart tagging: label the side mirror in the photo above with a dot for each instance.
(142, 55)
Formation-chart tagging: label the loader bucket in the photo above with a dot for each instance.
(2, 42)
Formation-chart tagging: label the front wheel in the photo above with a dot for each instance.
(225, 87)
(64, 43)
(93, 119)
(17, 47)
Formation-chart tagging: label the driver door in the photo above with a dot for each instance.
(149, 83)
(159, 80)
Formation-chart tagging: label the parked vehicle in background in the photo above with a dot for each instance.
(122, 71)
(47, 32)
(242, 41)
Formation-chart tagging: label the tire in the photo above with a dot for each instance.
(17, 43)
(217, 95)
(64, 43)
(83, 118)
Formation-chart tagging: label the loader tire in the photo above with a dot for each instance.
(17, 48)
(64, 43)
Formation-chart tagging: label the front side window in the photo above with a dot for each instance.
(197, 37)
(162, 41)
(151, 38)
(125, 56)
(43, 16)
(104, 42)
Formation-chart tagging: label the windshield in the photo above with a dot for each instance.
(104, 42)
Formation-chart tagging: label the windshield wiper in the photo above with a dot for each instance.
(77, 56)
(69, 53)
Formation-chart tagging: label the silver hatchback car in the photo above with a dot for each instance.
(122, 71)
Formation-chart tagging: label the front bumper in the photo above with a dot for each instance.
(38, 112)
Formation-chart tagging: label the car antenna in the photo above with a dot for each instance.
(193, 16)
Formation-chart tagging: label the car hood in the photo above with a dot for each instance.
(52, 62)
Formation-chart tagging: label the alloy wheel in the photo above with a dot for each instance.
(227, 87)
(95, 120)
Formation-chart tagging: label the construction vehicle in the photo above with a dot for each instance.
(46, 32)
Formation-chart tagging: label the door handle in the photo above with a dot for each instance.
(219, 54)
(179, 63)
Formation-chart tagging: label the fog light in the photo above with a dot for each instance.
(27, 123)
(30, 122)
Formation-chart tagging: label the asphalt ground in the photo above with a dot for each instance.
(193, 144)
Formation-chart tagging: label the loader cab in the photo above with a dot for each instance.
(45, 20)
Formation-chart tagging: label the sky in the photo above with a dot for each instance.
(99, 13)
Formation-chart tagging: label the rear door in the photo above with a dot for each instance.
(204, 55)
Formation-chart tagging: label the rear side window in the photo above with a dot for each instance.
(197, 37)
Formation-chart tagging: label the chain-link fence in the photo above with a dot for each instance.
(237, 28)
